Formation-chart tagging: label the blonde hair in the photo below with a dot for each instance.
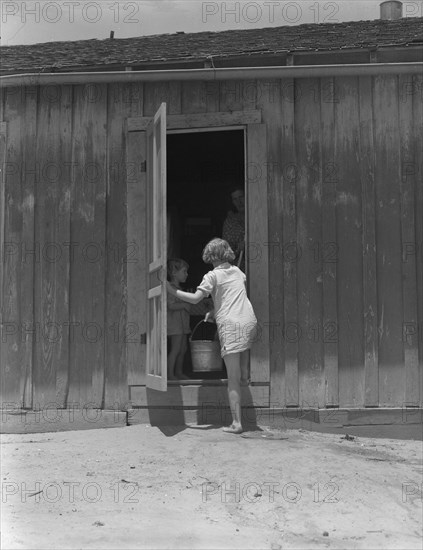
(218, 250)
(173, 265)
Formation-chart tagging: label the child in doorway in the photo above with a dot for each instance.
(178, 326)
(234, 315)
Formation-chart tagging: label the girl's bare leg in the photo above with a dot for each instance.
(245, 367)
(233, 366)
(175, 346)
(179, 365)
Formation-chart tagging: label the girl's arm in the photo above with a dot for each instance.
(191, 298)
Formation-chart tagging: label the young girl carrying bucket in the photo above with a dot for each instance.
(234, 315)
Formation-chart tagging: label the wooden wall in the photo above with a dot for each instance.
(64, 289)
(345, 241)
(346, 188)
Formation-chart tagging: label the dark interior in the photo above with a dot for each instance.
(202, 167)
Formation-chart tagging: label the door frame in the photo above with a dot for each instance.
(255, 158)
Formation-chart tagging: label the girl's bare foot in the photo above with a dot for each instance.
(234, 428)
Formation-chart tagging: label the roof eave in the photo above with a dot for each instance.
(280, 58)
(236, 73)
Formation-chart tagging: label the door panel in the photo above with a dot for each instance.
(156, 360)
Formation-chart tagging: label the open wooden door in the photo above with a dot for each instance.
(156, 360)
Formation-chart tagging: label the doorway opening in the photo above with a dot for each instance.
(202, 169)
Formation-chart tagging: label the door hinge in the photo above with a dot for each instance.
(144, 166)
(143, 338)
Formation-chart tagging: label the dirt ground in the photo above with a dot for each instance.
(192, 487)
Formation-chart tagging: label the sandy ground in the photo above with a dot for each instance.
(197, 487)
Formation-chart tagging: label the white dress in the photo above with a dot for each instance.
(235, 318)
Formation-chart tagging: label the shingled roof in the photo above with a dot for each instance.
(158, 51)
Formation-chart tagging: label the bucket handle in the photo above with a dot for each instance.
(195, 328)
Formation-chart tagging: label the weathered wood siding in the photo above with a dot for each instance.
(344, 246)
(346, 208)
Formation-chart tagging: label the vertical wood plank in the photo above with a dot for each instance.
(367, 178)
(231, 95)
(388, 233)
(309, 276)
(257, 233)
(289, 249)
(3, 93)
(29, 182)
(136, 270)
(329, 98)
(52, 239)
(273, 117)
(156, 93)
(3, 147)
(126, 334)
(349, 221)
(174, 100)
(11, 366)
(29, 121)
(88, 265)
(18, 328)
(418, 164)
(63, 233)
(10, 337)
(130, 96)
(212, 96)
(52, 233)
(408, 185)
(240, 95)
(194, 97)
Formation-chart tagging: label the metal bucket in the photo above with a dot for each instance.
(205, 354)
